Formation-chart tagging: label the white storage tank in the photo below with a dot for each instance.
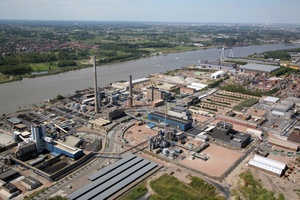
(165, 151)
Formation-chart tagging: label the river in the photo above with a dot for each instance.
(21, 94)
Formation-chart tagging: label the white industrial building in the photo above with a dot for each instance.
(197, 86)
(257, 133)
(271, 99)
(268, 165)
(181, 112)
(217, 74)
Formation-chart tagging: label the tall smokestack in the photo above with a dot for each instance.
(130, 91)
(95, 86)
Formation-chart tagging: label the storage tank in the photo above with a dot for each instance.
(165, 151)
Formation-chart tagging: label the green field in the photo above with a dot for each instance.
(39, 67)
(137, 192)
(169, 187)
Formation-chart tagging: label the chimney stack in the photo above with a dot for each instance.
(130, 91)
(96, 86)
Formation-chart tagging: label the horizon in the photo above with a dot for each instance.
(189, 11)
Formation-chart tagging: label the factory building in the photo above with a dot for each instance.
(38, 133)
(180, 112)
(9, 191)
(61, 148)
(268, 165)
(172, 121)
(258, 68)
(217, 74)
(9, 175)
(284, 144)
(26, 151)
(197, 86)
(224, 132)
(156, 94)
(30, 183)
(186, 90)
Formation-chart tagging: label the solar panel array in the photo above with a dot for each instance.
(113, 178)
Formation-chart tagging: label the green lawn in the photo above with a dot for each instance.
(169, 187)
(38, 67)
(136, 193)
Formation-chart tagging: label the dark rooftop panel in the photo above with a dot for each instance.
(112, 190)
(111, 167)
(99, 186)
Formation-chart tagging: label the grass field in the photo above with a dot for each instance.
(136, 193)
(169, 187)
(42, 67)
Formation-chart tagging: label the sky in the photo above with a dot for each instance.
(211, 11)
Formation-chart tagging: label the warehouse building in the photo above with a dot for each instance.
(156, 94)
(181, 112)
(217, 74)
(258, 68)
(284, 144)
(225, 133)
(114, 178)
(172, 121)
(268, 165)
(30, 183)
(61, 148)
(9, 175)
(9, 191)
(197, 86)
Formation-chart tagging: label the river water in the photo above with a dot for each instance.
(21, 94)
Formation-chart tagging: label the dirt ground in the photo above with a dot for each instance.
(220, 159)
(138, 134)
(270, 182)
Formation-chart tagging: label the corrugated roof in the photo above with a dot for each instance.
(259, 67)
(113, 178)
(271, 99)
(267, 164)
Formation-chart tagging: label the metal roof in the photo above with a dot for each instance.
(268, 164)
(271, 99)
(259, 67)
(100, 185)
(113, 178)
(31, 181)
(117, 170)
(126, 182)
(8, 173)
(111, 167)
(14, 120)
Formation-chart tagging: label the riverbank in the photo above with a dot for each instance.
(155, 52)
